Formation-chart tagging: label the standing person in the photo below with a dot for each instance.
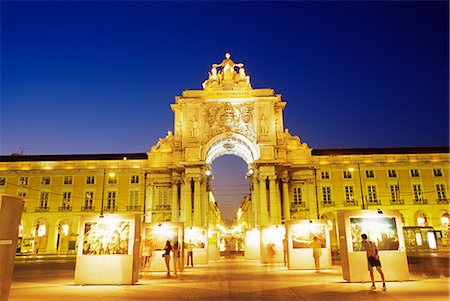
(372, 259)
(176, 257)
(167, 249)
(285, 251)
(190, 254)
(317, 252)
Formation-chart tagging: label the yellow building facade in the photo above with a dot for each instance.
(171, 182)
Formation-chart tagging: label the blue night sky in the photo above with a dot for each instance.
(98, 77)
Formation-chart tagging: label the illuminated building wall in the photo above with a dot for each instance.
(170, 182)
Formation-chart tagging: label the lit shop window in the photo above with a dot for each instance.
(41, 230)
(445, 220)
(422, 221)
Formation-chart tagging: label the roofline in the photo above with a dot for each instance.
(315, 152)
(73, 157)
(381, 151)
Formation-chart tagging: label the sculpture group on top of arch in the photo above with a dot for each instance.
(227, 77)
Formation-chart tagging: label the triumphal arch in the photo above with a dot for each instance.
(228, 116)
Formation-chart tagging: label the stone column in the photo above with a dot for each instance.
(205, 204)
(175, 201)
(255, 202)
(149, 201)
(186, 202)
(286, 200)
(274, 205)
(264, 213)
(197, 203)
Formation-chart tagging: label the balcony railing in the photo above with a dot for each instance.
(442, 201)
(42, 209)
(420, 201)
(110, 208)
(350, 203)
(161, 207)
(397, 202)
(64, 209)
(373, 202)
(298, 205)
(134, 208)
(88, 208)
(327, 204)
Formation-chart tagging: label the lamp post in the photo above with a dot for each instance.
(103, 193)
(360, 185)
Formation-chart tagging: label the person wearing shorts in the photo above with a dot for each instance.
(372, 259)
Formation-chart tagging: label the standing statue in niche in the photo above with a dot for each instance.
(194, 130)
(263, 125)
(228, 67)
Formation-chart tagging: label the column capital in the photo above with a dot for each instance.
(272, 177)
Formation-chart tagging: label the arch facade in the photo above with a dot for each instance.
(227, 116)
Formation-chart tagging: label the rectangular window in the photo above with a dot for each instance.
(23, 181)
(417, 189)
(163, 199)
(326, 195)
(67, 200)
(89, 200)
(111, 200)
(2, 181)
(112, 179)
(349, 197)
(392, 173)
(134, 198)
(325, 175)
(415, 173)
(440, 190)
(68, 180)
(297, 195)
(135, 179)
(370, 174)
(43, 201)
(418, 195)
(45, 181)
(394, 192)
(347, 174)
(372, 194)
(90, 180)
(437, 172)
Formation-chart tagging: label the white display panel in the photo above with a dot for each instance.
(385, 230)
(300, 235)
(199, 238)
(271, 243)
(252, 245)
(106, 250)
(154, 238)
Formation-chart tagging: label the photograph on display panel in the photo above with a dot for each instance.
(303, 234)
(106, 238)
(155, 237)
(197, 238)
(381, 230)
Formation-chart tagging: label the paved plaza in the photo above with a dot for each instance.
(225, 279)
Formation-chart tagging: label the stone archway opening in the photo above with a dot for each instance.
(231, 191)
(234, 144)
